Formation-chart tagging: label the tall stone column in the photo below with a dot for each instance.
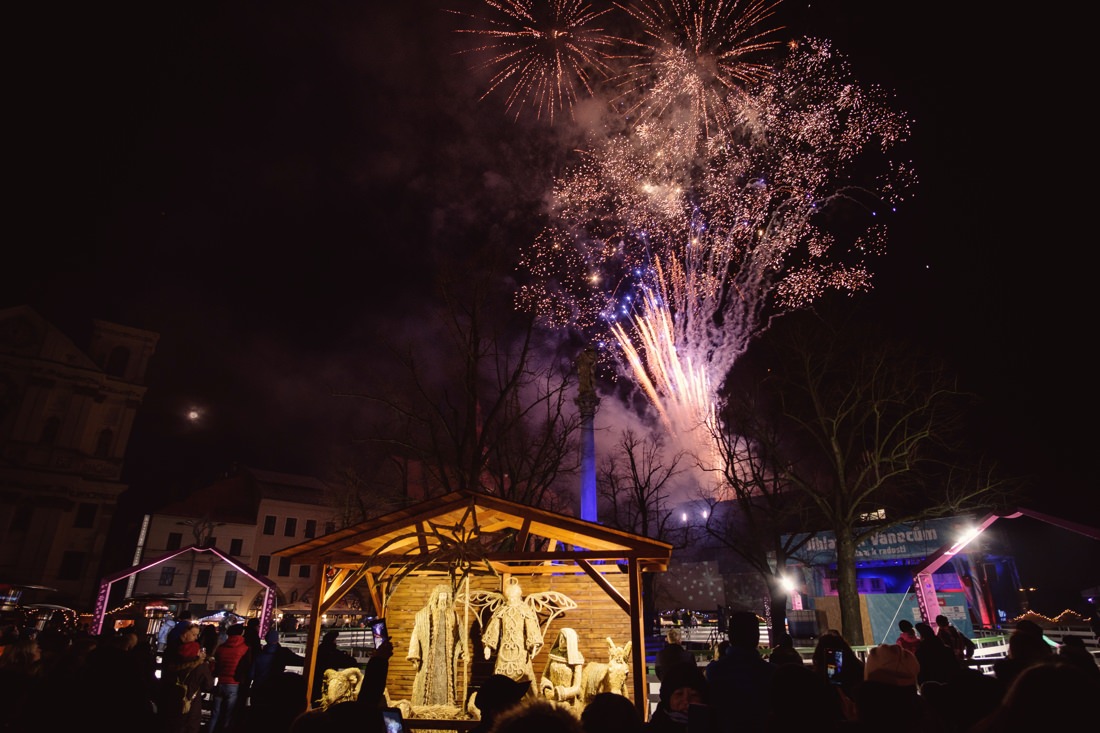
(587, 402)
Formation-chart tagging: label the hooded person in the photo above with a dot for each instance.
(182, 684)
(682, 686)
(562, 678)
(497, 694)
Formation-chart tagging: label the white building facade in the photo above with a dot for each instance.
(247, 515)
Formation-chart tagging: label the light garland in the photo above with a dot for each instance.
(1065, 617)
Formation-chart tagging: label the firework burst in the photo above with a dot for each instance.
(677, 263)
(696, 58)
(543, 54)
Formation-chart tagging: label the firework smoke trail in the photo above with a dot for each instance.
(547, 50)
(681, 261)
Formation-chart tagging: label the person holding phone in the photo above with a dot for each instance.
(835, 660)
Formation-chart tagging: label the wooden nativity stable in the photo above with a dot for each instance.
(477, 542)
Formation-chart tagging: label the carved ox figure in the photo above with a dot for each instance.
(610, 677)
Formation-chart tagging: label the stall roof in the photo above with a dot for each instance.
(465, 518)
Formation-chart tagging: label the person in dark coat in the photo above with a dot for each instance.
(496, 695)
(845, 677)
(1048, 695)
(274, 705)
(255, 646)
(800, 701)
(672, 653)
(737, 682)
(1026, 646)
(329, 656)
(937, 660)
(610, 712)
(784, 651)
(1074, 651)
(273, 660)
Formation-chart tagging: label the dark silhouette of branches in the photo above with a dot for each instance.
(872, 429)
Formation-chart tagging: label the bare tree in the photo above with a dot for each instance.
(634, 482)
(880, 439)
(480, 404)
(755, 511)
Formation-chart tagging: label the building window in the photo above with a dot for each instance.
(50, 430)
(284, 566)
(330, 527)
(269, 524)
(175, 541)
(303, 571)
(311, 528)
(72, 565)
(167, 575)
(202, 578)
(118, 361)
(85, 515)
(291, 526)
(21, 518)
(103, 444)
(236, 547)
(230, 579)
(264, 566)
(210, 541)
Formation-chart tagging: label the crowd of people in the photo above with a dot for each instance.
(922, 682)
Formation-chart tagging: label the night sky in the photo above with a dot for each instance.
(264, 184)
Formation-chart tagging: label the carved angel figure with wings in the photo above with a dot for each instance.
(513, 631)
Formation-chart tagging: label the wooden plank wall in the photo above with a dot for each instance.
(596, 617)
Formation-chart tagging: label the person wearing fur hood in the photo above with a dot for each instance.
(183, 683)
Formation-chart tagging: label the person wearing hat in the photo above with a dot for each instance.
(273, 660)
(497, 694)
(888, 697)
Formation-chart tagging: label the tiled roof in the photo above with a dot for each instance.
(236, 498)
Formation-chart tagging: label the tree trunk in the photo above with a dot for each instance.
(777, 613)
(851, 620)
